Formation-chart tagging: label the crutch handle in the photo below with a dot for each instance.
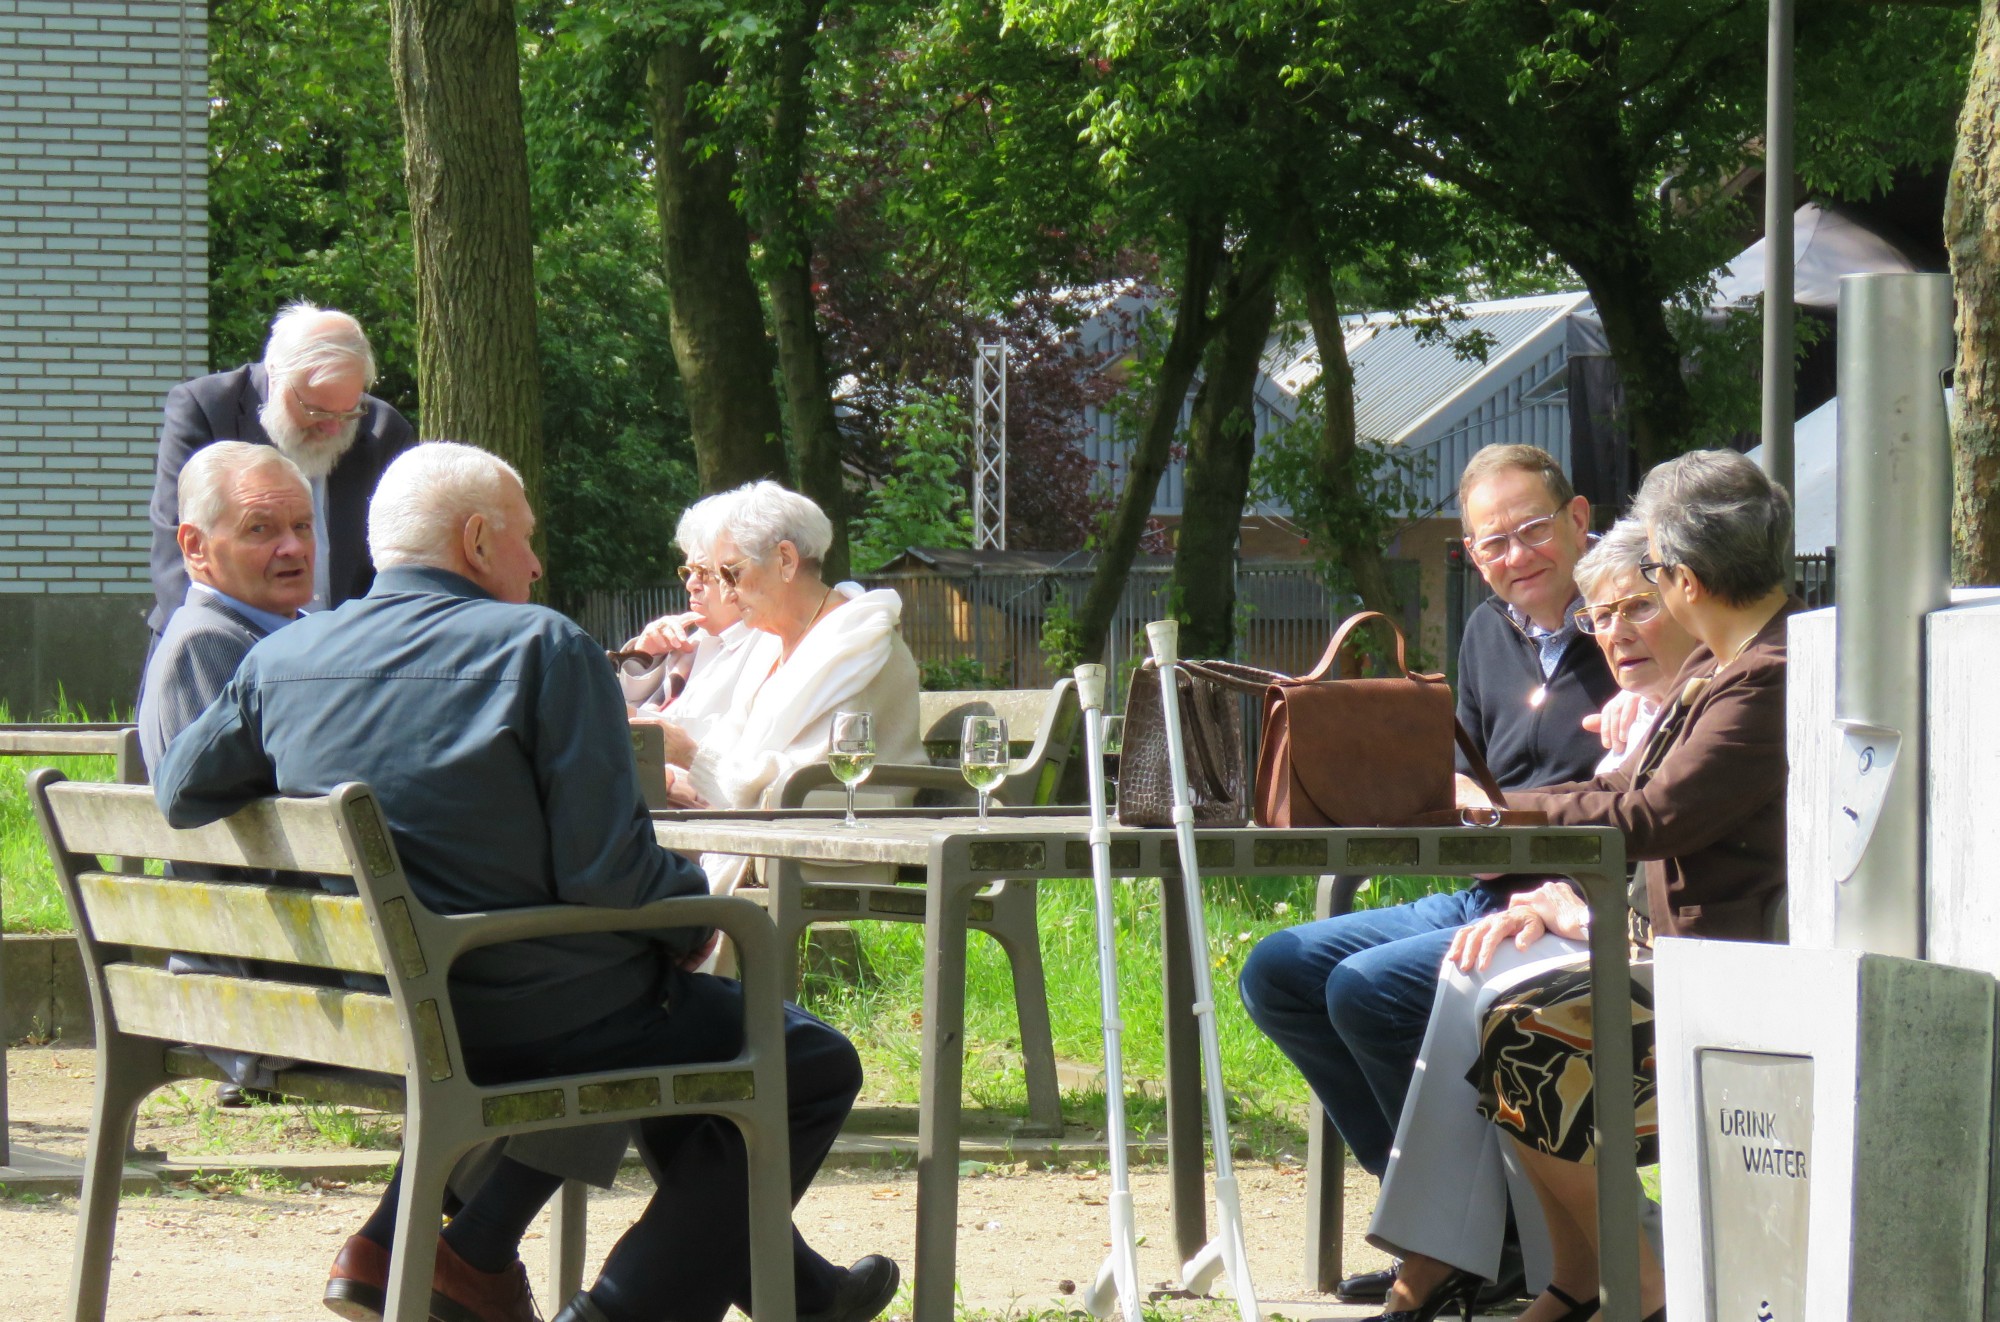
(1090, 687)
(1164, 636)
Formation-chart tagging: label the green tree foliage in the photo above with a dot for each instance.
(1615, 134)
(305, 187)
(922, 502)
(620, 466)
(306, 200)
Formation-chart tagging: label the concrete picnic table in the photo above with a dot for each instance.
(959, 857)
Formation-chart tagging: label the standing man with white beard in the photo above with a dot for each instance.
(307, 398)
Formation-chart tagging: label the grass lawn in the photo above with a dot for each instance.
(29, 901)
(1268, 1095)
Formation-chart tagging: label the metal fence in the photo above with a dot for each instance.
(980, 628)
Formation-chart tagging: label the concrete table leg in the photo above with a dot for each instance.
(1611, 1067)
(941, 1077)
(1187, 1164)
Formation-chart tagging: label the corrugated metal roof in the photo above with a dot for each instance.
(1402, 378)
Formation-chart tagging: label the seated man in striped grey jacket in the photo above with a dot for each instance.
(246, 537)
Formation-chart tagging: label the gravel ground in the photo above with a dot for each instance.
(247, 1247)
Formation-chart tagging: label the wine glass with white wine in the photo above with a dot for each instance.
(850, 752)
(982, 756)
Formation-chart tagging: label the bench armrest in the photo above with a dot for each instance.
(886, 775)
(745, 923)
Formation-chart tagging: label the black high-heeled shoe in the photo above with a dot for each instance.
(1460, 1288)
(1580, 1310)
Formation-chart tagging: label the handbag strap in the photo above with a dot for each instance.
(1478, 764)
(1234, 675)
(1347, 628)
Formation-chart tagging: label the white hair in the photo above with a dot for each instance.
(759, 515)
(700, 523)
(1618, 551)
(421, 504)
(209, 478)
(310, 343)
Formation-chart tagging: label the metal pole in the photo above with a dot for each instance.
(1779, 358)
(1895, 563)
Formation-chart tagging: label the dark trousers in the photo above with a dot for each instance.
(687, 1258)
(1347, 999)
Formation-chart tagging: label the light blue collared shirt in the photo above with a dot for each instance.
(263, 619)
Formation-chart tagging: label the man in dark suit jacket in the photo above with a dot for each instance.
(307, 399)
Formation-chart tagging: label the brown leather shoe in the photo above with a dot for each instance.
(461, 1292)
(359, 1282)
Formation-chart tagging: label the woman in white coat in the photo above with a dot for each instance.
(822, 648)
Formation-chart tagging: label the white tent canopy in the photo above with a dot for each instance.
(1825, 246)
(1815, 478)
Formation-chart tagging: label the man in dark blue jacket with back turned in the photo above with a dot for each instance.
(1347, 998)
(495, 737)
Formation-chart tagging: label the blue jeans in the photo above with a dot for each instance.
(1347, 999)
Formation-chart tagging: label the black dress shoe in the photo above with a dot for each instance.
(870, 1285)
(581, 1309)
(1367, 1287)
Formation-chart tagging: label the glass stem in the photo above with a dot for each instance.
(982, 805)
(850, 806)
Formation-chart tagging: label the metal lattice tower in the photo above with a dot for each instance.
(989, 447)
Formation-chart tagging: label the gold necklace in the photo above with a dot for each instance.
(810, 624)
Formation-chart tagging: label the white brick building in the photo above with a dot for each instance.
(103, 306)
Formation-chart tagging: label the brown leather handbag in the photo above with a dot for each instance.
(1361, 752)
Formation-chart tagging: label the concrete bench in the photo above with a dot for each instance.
(381, 1049)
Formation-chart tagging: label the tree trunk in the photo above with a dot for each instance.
(816, 441)
(1222, 440)
(1972, 229)
(458, 85)
(1633, 308)
(1192, 331)
(715, 320)
(1349, 525)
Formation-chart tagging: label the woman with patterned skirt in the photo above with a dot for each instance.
(1703, 804)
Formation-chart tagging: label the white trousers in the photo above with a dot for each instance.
(1451, 1172)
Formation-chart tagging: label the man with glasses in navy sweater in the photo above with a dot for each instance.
(1347, 998)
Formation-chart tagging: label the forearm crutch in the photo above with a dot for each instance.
(1118, 1278)
(1225, 1252)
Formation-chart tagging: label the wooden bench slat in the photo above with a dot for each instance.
(327, 1025)
(60, 743)
(287, 835)
(290, 923)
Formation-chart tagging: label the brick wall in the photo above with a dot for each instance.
(103, 276)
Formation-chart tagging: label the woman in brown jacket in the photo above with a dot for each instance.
(1703, 804)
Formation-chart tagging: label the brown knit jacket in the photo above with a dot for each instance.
(1704, 802)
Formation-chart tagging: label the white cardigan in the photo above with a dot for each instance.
(852, 660)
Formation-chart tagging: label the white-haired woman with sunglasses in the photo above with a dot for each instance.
(685, 668)
(1445, 1153)
(820, 648)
